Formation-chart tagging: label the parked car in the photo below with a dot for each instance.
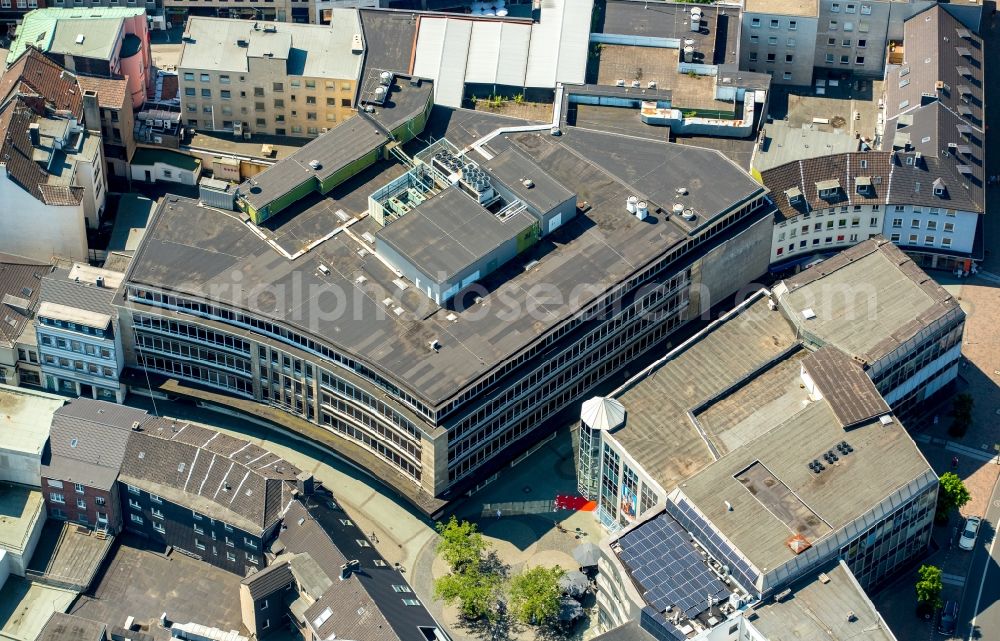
(949, 617)
(968, 538)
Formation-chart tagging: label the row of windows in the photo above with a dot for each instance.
(606, 367)
(916, 223)
(192, 332)
(550, 364)
(351, 411)
(211, 357)
(576, 359)
(295, 83)
(74, 327)
(76, 346)
(336, 384)
(914, 239)
(372, 444)
(80, 366)
(277, 331)
(197, 373)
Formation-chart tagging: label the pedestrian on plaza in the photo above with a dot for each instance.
(954, 462)
(499, 513)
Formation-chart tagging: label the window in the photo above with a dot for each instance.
(251, 558)
(755, 22)
(779, 251)
(831, 42)
(949, 227)
(198, 544)
(835, 7)
(134, 504)
(790, 42)
(198, 529)
(345, 102)
(54, 483)
(897, 223)
(99, 500)
(226, 94)
(206, 93)
(156, 513)
(311, 115)
(229, 542)
(793, 25)
(57, 497)
(189, 91)
(155, 499)
(859, 60)
(227, 527)
(862, 43)
(931, 225)
(195, 515)
(866, 9)
(774, 23)
(277, 87)
(279, 103)
(310, 100)
(914, 224)
(845, 60)
(786, 75)
(833, 25)
(250, 543)
(772, 40)
(413, 602)
(132, 489)
(223, 79)
(159, 527)
(946, 242)
(401, 588)
(848, 26)
(851, 8)
(753, 57)
(928, 240)
(771, 57)
(846, 42)
(789, 57)
(137, 519)
(913, 239)
(310, 84)
(894, 238)
(829, 58)
(230, 556)
(188, 75)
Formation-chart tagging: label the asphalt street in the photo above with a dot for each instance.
(981, 605)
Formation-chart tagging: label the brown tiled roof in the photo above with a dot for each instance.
(872, 168)
(169, 91)
(16, 153)
(35, 75)
(110, 91)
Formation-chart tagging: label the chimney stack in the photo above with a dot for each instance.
(91, 110)
(34, 134)
(305, 484)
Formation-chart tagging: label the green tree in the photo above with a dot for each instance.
(461, 545)
(535, 595)
(929, 586)
(475, 592)
(961, 415)
(952, 494)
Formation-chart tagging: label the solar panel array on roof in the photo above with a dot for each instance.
(722, 550)
(670, 570)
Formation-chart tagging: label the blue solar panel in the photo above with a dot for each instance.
(669, 569)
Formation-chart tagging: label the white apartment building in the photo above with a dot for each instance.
(78, 336)
(831, 202)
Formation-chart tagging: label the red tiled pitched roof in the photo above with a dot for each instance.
(16, 153)
(35, 75)
(110, 91)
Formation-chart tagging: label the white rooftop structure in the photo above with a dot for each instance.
(25, 416)
(454, 51)
(601, 413)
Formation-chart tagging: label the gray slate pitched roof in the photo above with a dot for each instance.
(213, 473)
(271, 579)
(87, 442)
(59, 289)
(20, 282)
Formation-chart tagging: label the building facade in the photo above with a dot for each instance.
(107, 107)
(264, 84)
(78, 337)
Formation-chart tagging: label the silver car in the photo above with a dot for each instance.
(968, 538)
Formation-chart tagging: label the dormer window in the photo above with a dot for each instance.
(828, 188)
(794, 195)
(939, 188)
(863, 185)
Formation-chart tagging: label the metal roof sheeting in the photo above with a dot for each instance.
(455, 51)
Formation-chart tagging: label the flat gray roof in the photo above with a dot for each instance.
(867, 300)
(195, 250)
(448, 233)
(817, 610)
(784, 143)
(25, 418)
(313, 51)
(334, 150)
(511, 167)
